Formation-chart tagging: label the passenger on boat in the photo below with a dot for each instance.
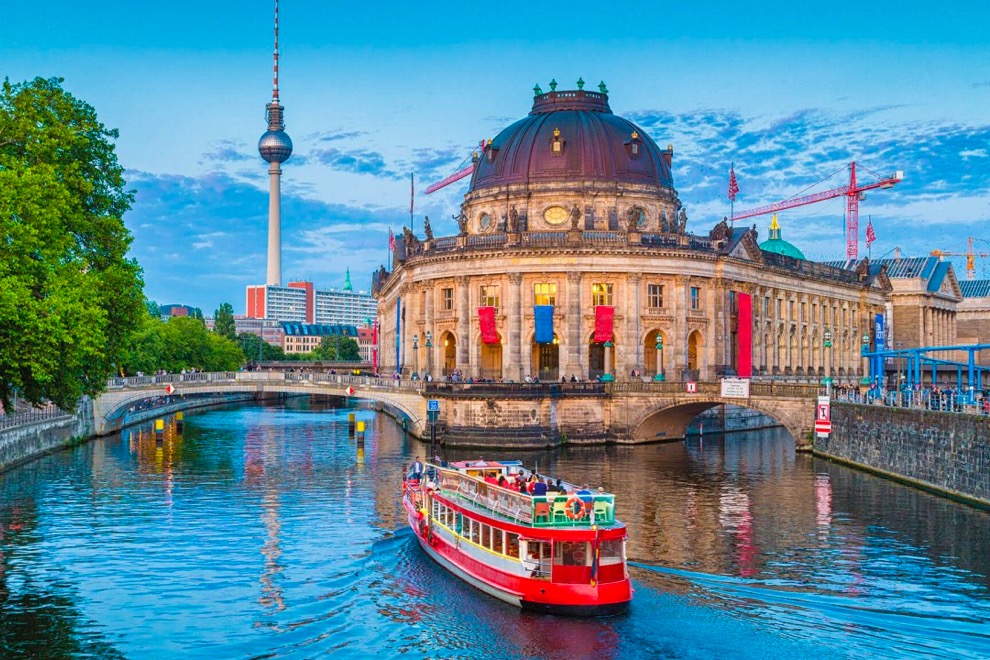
(553, 487)
(416, 469)
(502, 481)
(539, 488)
(561, 488)
(585, 494)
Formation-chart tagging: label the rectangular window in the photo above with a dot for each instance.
(766, 307)
(780, 308)
(512, 544)
(695, 297)
(446, 299)
(790, 309)
(733, 304)
(654, 295)
(804, 312)
(545, 293)
(489, 296)
(601, 294)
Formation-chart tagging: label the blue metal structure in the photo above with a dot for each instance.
(917, 359)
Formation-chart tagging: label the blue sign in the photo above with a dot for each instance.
(433, 405)
(878, 332)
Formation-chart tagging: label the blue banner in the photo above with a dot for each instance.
(878, 333)
(543, 315)
(398, 332)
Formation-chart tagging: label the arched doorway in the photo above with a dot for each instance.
(448, 353)
(546, 360)
(655, 361)
(596, 358)
(695, 343)
(491, 360)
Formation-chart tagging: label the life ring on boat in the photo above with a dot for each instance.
(576, 508)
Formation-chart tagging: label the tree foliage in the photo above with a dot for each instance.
(223, 321)
(337, 348)
(69, 296)
(181, 343)
(250, 344)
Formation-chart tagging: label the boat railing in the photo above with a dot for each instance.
(551, 510)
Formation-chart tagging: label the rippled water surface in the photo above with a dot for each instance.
(266, 532)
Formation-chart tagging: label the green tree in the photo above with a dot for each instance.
(153, 308)
(181, 343)
(69, 296)
(250, 344)
(337, 348)
(223, 321)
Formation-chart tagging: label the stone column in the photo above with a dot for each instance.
(574, 342)
(428, 313)
(632, 352)
(512, 366)
(464, 326)
(676, 358)
(716, 308)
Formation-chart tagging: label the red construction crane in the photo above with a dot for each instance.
(852, 192)
(970, 255)
(459, 174)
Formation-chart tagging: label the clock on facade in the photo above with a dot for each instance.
(485, 222)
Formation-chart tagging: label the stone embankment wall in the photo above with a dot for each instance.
(22, 443)
(946, 452)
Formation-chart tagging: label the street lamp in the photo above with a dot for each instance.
(827, 381)
(429, 353)
(416, 355)
(659, 376)
(866, 380)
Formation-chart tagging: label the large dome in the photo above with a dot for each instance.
(777, 244)
(572, 135)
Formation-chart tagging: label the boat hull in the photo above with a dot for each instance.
(538, 595)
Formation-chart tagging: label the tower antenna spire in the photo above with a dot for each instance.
(275, 79)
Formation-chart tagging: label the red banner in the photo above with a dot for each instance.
(486, 316)
(744, 335)
(604, 315)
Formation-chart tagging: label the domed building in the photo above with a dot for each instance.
(778, 245)
(574, 257)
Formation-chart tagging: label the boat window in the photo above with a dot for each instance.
(610, 552)
(571, 553)
(512, 545)
(486, 536)
(498, 540)
(475, 531)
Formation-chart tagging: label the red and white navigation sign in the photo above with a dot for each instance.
(692, 387)
(169, 388)
(823, 417)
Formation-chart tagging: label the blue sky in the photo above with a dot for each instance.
(789, 92)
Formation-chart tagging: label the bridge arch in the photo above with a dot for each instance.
(669, 420)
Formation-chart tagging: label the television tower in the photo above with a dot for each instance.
(275, 147)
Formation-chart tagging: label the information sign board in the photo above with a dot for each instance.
(735, 388)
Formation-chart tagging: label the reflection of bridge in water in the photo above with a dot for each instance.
(537, 414)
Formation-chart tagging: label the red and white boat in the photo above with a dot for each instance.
(562, 552)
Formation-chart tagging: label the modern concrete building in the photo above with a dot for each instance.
(301, 302)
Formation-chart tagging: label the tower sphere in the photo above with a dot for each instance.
(275, 146)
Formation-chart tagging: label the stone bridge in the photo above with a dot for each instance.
(477, 414)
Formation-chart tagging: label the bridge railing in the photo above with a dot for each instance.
(165, 379)
(32, 416)
(714, 388)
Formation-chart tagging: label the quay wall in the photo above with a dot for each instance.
(945, 452)
(19, 444)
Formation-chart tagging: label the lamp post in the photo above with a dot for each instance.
(429, 352)
(416, 355)
(828, 377)
(659, 376)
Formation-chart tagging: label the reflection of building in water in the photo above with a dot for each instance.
(260, 454)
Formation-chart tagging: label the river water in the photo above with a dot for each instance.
(265, 532)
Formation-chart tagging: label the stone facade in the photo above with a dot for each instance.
(946, 452)
(558, 233)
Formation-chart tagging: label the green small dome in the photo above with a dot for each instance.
(778, 245)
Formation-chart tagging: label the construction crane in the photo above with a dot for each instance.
(853, 193)
(970, 255)
(460, 173)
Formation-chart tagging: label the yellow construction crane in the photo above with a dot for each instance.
(970, 255)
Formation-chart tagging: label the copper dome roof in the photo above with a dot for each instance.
(592, 144)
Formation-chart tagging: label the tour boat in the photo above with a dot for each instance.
(561, 553)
